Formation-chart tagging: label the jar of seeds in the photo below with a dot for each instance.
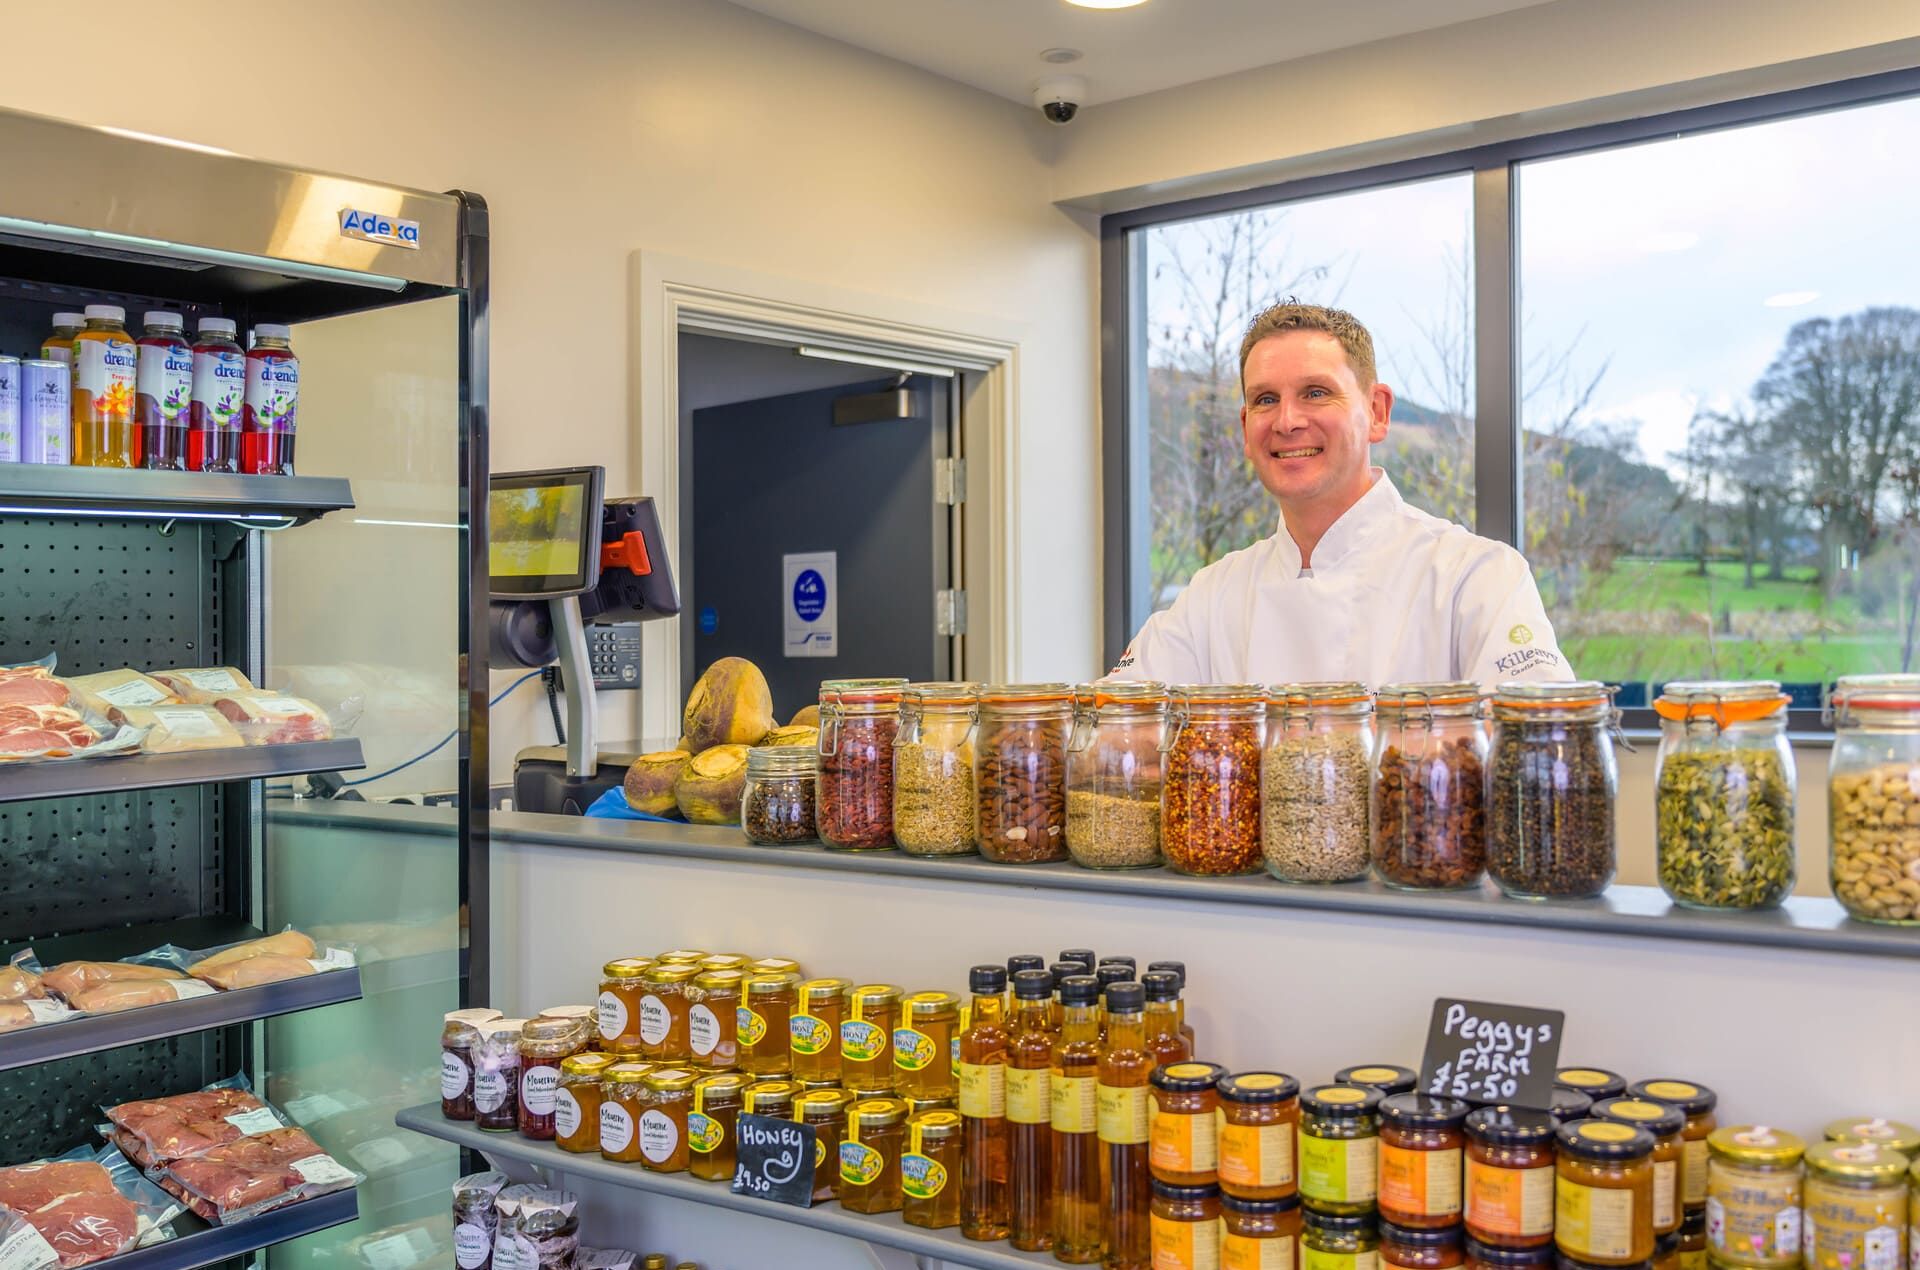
(1723, 794)
(1113, 775)
(1315, 775)
(1873, 798)
(1021, 777)
(933, 769)
(1551, 790)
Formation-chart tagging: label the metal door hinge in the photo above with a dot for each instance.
(950, 612)
(950, 481)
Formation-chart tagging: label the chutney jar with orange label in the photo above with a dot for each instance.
(1509, 1184)
(1184, 1136)
(1422, 1159)
(1603, 1193)
(1183, 1227)
(1259, 1129)
(1340, 1150)
(1260, 1234)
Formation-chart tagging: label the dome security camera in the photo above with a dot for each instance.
(1058, 97)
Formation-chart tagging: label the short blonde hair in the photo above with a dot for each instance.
(1291, 316)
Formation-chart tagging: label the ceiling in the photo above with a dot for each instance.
(996, 44)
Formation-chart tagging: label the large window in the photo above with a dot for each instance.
(1723, 443)
(1704, 429)
(1399, 257)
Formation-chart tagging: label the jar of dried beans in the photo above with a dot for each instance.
(1429, 821)
(933, 769)
(1551, 791)
(858, 723)
(1210, 808)
(1723, 794)
(1113, 775)
(1873, 798)
(1315, 781)
(1021, 778)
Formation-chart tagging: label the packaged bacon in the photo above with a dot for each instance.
(123, 688)
(200, 685)
(256, 1174)
(45, 717)
(154, 1132)
(268, 718)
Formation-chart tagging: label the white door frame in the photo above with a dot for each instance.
(671, 295)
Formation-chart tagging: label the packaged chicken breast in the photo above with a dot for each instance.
(287, 955)
(200, 685)
(267, 718)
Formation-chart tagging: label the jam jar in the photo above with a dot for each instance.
(1603, 1196)
(1184, 1137)
(1665, 1123)
(1510, 1177)
(1260, 1234)
(576, 1102)
(457, 1040)
(618, 1009)
(1696, 1102)
(1422, 1157)
(1259, 1135)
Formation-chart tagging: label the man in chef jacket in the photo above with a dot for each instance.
(1356, 584)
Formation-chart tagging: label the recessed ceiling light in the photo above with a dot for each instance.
(1060, 57)
(1788, 299)
(1105, 4)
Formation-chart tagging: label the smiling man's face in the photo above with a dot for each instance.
(1308, 421)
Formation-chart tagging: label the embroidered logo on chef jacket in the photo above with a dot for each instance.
(1522, 660)
(1520, 634)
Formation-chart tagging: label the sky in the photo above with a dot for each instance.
(1677, 266)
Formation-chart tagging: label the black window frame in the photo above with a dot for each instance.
(1497, 469)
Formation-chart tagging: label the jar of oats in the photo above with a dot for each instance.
(933, 769)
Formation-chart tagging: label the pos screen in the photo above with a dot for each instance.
(544, 532)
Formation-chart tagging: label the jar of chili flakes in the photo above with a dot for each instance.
(858, 724)
(1509, 1187)
(1429, 771)
(663, 1012)
(1210, 804)
(1422, 1149)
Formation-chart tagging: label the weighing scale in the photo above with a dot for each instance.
(563, 557)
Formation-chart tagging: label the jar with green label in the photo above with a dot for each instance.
(1603, 1193)
(1753, 1197)
(1696, 1102)
(1856, 1207)
(820, 1006)
(930, 1171)
(870, 1156)
(866, 1038)
(1665, 1123)
(1329, 1241)
(826, 1111)
(1891, 1134)
(716, 1106)
(765, 1025)
(923, 1045)
(1339, 1149)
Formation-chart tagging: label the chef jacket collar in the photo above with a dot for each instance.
(1378, 507)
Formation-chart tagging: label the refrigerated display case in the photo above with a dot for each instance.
(355, 583)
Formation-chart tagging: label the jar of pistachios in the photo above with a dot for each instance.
(1724, 793)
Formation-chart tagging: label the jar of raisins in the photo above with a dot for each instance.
(858, 723)
(1210, 803)
(1429, 776)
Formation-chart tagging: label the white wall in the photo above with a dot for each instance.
(596, 128)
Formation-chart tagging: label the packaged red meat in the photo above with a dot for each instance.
(154, 1132)
(82, 1208)
(174, 729)
(70, 978)
(32, 684)
(42, 716)
(267, 718)
(257, 1174)
(200, 685)
(124, 688)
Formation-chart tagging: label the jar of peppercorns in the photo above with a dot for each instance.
(1210, 806)
(1429, 773)
(858, 724)
(1551, 790)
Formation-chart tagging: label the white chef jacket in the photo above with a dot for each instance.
(1394, 596)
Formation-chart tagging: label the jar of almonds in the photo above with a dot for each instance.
(1873, 797)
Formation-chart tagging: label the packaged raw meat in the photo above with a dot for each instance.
(82, 1208)
(173, 729)
(154, 1132)
(266, 718)
(288, 955)
(133, 994)
(257, 1174)
(42, 716)
(102, 692)
(476, 1219)
(32, 685)
(201, 685)
(20, 981)
(70, 978)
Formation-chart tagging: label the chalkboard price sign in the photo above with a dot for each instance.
(775, 1160)
(1487, 1053)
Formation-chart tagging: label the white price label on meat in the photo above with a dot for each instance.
(187, 989)
(258, 1120)
(189, 723)
(134, 692)
(322, 1170)
(211, 679)
(27, 1249)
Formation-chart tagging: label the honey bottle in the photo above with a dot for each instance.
(1164, 1041)
(1124, 1102)
(1178, 969)
(983, 1108)
(1079, 1233)
(1029, 1115)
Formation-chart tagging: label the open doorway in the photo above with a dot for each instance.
(820, 504)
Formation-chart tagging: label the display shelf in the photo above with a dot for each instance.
(109, 774)
(198, 1244)
(886, 1230)
(45, 490)
(89, 1034)
(1638, 912)
(419, 970)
